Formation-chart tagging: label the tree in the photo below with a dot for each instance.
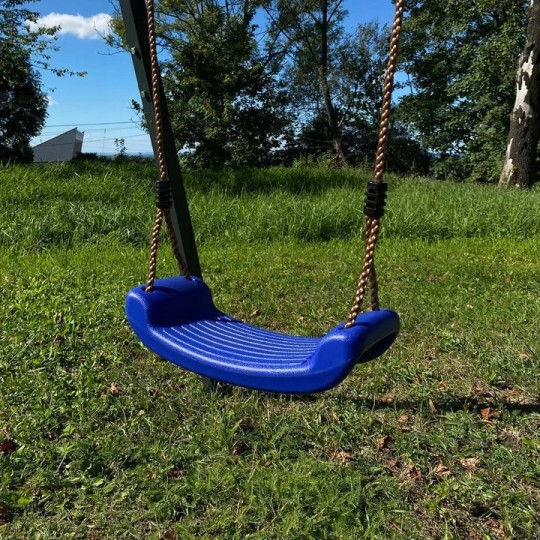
(310, 30)
(24, 48)
(460, 57)
(23, 105)
(521, 166)
(225, 103)
(355, 77)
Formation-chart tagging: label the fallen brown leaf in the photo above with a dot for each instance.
(413, 473)
(510, 438)
(240, 448)
(496, 527)
(487, 414)
(58, 339)
(441, 470)
(393, 464)
(383, 443)
(113, 389)
(178, 473)
(341, 455)
(470, 464)
(8, 447)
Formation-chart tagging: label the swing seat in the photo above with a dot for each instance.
(179, 322)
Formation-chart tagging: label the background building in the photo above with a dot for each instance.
(63, 147)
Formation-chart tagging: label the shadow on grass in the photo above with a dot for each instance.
(450, 403)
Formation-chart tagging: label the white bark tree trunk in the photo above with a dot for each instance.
(521, 166)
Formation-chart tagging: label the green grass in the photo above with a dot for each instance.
(437, 439)
(66, 206)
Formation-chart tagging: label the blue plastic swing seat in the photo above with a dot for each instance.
(179, 322)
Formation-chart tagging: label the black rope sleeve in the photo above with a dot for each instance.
(163, 194)
(375, 201)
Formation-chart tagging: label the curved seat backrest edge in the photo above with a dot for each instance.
(174, 301)
(371, 335)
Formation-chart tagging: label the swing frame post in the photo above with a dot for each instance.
(134, 14)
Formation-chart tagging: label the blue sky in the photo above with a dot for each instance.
(99, 104)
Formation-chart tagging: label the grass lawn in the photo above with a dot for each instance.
(437, 439)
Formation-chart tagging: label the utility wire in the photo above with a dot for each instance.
(95, 124)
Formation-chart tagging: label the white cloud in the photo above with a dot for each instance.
(51, 101)
(81, 27)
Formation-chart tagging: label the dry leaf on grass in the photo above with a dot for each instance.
(383, 443)
(8, 447)
(341, 455)
(487, 414)
(58, 339)
(470, 464)
(510, 438)
(240, 448)
(441, 470)
(413, 473)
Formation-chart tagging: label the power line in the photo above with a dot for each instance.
(95, 124)
(47, 133)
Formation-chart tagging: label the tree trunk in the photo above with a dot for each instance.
(521, 168)
(331, 116)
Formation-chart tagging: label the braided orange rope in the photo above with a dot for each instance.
(368, 275)
(158, 121)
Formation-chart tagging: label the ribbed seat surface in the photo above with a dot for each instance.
(180, 322)
(239, 342)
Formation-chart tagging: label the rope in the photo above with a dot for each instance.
(368, 275)
(158, 121)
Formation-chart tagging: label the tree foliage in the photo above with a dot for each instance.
(25, 48)
(309, 32)
(23, 105)
(243, 89)
(461, 56)
(226, 104)
(335, 78)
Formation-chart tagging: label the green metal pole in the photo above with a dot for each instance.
(134, 14)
